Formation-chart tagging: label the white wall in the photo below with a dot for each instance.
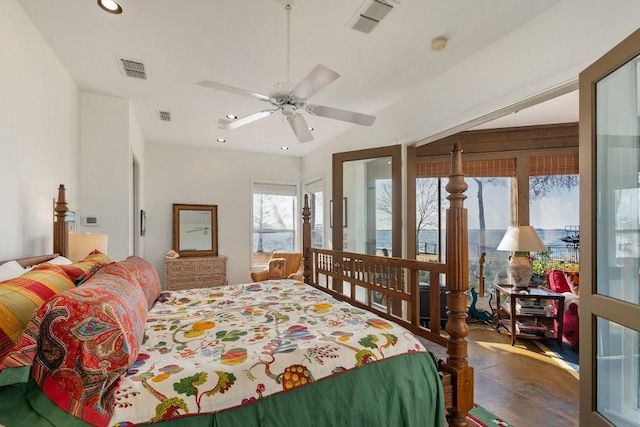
(191, 175)
(106, 170)
(137, 144)
(111, 137)
(547, 52)
(39, 135)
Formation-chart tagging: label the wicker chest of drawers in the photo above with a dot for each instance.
(195, 272)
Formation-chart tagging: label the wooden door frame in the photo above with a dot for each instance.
(593, 305)
(393, 151)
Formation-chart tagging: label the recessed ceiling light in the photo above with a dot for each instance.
(310, 128)
(283, 148)
(221, 140)
(110, 6)
(231, 116)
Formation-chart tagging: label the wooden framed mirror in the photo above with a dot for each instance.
(195, 230)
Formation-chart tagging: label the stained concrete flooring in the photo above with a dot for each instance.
(526, 388)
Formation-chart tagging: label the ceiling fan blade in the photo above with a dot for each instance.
(344, 115)
(319, 78)
(233, 89)
(246, 120)
(300, 128)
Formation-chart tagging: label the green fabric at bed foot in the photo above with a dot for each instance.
(402, 391)
(24, 404)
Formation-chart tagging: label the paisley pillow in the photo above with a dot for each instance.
(137, 271)
(80, 342)
(82, 270)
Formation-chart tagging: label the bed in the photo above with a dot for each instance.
(339, 349)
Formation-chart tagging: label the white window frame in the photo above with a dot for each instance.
(297, 219)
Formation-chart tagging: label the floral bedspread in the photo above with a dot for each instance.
(206, 350)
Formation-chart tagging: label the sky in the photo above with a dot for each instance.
(555, 211)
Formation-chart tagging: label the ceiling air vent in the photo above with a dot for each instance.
(370, 15)
(133, 69)
(164, 116)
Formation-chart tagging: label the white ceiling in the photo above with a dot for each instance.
(562, 109)
(242, 43)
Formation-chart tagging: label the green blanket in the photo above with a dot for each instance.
(400, 391)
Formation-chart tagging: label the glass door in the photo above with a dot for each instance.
(610, 214)
(366, 209)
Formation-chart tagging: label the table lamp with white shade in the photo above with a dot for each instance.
(521, 239)
(80, 245)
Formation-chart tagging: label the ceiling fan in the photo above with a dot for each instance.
(291, 100)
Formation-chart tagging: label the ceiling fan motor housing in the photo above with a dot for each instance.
(283, 98)
(288, 110)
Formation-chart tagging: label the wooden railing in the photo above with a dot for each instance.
(396, 281)
(387, 286)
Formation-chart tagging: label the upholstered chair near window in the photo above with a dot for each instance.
(282, 265)
(568, 284)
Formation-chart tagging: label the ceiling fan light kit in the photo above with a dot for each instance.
(291, 102)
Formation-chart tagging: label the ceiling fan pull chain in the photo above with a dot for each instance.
(288, 9)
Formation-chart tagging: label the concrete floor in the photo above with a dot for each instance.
(526, 388)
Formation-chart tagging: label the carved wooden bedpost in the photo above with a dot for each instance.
(60, 230)
(457, 287)
(306, 238)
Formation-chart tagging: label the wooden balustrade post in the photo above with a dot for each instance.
(60, 231)
(457, 286)
(306, 239)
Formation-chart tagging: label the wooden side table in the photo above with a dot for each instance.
(536, 314)
(195, 272)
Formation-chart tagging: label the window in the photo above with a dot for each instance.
(489, 209)
(429, 208)
(367, 206)
(554, 209)
(488, 203)
(384, 209)
(514, 176)
(275, 220)
(554, 205)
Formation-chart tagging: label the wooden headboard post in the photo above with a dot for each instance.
(457, 286)
(306, 238)
(60, 230)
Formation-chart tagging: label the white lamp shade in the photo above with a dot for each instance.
(521, 238)
(80, 245)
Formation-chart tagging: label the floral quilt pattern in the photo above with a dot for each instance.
(207, 350)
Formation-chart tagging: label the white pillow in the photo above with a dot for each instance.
(10, 270)
(60, 260)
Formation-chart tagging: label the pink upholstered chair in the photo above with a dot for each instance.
(568, 284)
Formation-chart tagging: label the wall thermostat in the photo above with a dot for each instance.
(90, 220)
